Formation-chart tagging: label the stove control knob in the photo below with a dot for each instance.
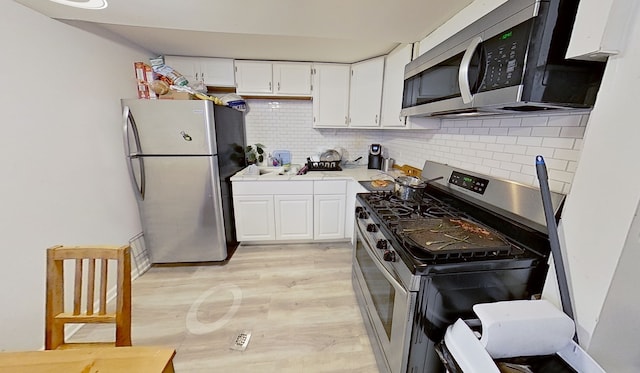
(389, 256)
(363, 215)
(381, 244)
(372, 228)
(359, 209)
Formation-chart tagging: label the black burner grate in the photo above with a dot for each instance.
(418, 227)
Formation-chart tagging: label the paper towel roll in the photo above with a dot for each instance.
(523, 328)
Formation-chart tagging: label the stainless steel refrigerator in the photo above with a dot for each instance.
(181, 155)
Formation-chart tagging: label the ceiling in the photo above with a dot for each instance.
(297, 30)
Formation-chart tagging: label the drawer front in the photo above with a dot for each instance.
(272, 187)
(330, 187)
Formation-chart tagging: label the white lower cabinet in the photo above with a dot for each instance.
(328, 216)
(254, 216)
(329, 201)
(289, 210)
(294, 217)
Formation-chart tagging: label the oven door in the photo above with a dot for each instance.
(387, 307)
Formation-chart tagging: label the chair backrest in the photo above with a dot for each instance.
(90, 301)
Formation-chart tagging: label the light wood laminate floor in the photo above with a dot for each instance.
(296, 300)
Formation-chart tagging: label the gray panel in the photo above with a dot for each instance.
(173, 126)
(516, 201)
(181, 211)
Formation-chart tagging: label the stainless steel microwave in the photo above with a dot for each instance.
(512, 60)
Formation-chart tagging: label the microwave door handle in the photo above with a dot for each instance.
(127, 118)
(463, 73)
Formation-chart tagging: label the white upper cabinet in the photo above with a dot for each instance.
(393, 86)
(217, 72)
(273, 78)
(600, 29)
(292, 78)
(254, 77)
(365, 95)
(330, 94)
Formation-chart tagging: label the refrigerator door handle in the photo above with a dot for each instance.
(127, 118)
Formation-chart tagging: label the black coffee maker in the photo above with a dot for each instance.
(375, 157)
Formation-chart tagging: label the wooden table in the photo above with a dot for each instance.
(134, 359)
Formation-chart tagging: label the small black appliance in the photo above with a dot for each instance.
(375, 157)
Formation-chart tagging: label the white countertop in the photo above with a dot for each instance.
(358, 173)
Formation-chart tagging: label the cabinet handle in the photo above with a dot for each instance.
(278, 86)
(270, 86)
(376, 122)
(196, 76)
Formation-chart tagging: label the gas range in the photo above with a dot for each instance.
(419, 265)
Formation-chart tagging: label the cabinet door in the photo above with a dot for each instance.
(294, 217)
(217, 72)
(366, 93)
(329, 216)
(292, 79)
(187, 66)
(393, 86)
(331, 95)
(254, 217)
(254, 77)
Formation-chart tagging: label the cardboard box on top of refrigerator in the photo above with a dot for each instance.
(142, 86)
(144, 76)
(149, 76)
(177, 95)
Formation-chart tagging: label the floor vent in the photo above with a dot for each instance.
(241, 341)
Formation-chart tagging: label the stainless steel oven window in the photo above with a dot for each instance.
(382, 292)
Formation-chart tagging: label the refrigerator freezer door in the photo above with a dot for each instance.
(171, 127)
(181, 211)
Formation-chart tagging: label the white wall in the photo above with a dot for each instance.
(64, 179)
(604, 198)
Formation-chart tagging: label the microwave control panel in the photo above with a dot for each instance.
(469, 182)
(505, 57)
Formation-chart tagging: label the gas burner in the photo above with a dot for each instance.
(435, 211)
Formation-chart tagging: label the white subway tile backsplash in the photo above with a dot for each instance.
(511, 122)
(573, 132)
(572, 166)
(555, 142)
(565, 120)
(503, 147)
(499, 131)
(505, 157)
(529, 141)
(520, 131)
(569, 155)
(534, 122)
(564, 176)
(522, 178)
(490, 123)
(495, 147)
(510, 166)
(546, 131)
(515, 149)
(506, 140)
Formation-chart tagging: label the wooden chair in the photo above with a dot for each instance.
(84, 300)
